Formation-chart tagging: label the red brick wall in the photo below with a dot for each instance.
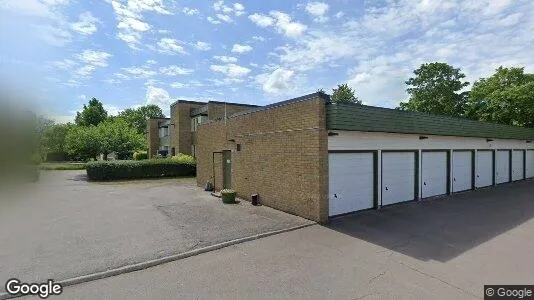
(283, 157)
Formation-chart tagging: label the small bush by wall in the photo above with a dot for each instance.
(153, 168)
(184, 158)
(140, 155)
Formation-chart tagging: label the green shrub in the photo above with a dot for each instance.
(228, 196)
(152, 168)
(140, 155)
(62, 166)
(184, 158)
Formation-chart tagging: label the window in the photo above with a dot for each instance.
(197, 121)
(164, 131)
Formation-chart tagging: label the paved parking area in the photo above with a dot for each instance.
(438, 249)
(65, 227)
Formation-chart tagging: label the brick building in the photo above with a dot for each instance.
(316, 159)
(177, 134)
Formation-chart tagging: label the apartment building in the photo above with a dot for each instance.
(177, 134)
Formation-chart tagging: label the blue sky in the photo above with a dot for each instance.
(56, 54)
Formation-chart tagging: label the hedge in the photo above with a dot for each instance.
(130, 169)
(62, 166)
(140, 155)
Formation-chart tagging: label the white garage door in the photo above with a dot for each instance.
(530, 163)
(351, 182)
(518, 169)
(398, 177)
(434, 174)
(462, 171)
(502, 166)
(484, 168)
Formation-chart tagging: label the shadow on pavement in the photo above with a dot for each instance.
(443, 228)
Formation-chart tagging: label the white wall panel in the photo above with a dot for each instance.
(358, 140)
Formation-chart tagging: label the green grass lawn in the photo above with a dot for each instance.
(62, 166)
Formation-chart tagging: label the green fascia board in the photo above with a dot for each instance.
(377, 119)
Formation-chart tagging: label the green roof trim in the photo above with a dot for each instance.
(377, 119)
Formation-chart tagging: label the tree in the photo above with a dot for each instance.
(138, 118)
(112, 135)
(83, 142)
(507, 97)
(436, 89)
(54, 138)
(42, 126)
(92, 114)
(117, 136)
(344, 94)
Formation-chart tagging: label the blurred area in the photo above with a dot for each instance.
(19, 136)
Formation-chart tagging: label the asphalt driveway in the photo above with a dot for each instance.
(64, 226)
(436, 249)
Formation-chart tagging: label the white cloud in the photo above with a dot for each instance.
(258, 38)
(286, 26)
(261, 20)
(112, 109)
(238, 48)
(90, 61)
(282, 22)
(170, 46)
(225, 13)
(174, 70)
(95, 58)
(34, 8)
(65, 64)
(192, 83)
(136, 72)
(203, 46)
(86, 24)
(322, 47)
(340, 14)
(159, 97)
(496, 6)
(231, 70)
(239, 8)
(224, 18)
(62, 119)
(213, 20)
(226, 59)
(130, 18)
(278, 81)
(56, 2)
(85, 71)
(178, 85)
(318, 11)
(510, 20)
(133, 24)
(190, 11)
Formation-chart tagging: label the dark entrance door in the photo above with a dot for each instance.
(227, 169)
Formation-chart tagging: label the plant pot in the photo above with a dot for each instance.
(228, 196)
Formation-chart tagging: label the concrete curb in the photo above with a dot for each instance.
(163, 260)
